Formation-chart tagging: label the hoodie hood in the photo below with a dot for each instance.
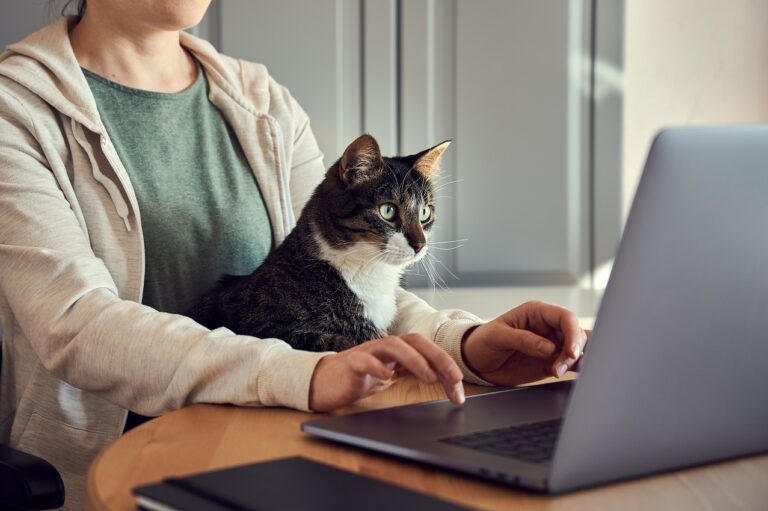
(45, 64)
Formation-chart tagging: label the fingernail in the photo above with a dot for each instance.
(561, 370)
(458, 393)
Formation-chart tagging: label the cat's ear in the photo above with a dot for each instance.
(359, 158)
(428, 162)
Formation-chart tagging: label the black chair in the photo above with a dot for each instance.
(26, 481)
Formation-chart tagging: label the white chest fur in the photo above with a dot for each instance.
(374, 282)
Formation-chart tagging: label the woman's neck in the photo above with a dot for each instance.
(136, 56)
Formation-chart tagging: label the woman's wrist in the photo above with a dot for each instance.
(463, 352)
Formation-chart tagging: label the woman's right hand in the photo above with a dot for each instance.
(343, 378)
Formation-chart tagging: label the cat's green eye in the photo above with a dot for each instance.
(387, 211)
(425, 213)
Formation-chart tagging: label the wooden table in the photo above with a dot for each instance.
(205, 437)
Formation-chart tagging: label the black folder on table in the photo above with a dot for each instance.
(284, 484)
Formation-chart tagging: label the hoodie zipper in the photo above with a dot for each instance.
(114, 193)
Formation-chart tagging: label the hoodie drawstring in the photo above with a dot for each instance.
(112, 189)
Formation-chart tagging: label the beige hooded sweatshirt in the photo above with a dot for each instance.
(78, 348)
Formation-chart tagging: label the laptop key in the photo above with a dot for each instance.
(534, 442)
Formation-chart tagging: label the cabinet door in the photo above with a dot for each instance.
(509, 82)
(313, 48)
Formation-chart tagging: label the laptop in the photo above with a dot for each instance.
(675, 374)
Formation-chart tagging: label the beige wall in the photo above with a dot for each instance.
(690, 62)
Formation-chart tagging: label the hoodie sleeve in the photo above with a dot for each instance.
(56, 293)
(445, 327)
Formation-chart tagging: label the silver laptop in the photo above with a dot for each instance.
(675, 371)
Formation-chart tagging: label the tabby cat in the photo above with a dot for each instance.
(331, 284)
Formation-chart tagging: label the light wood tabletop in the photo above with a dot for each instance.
(207, 437)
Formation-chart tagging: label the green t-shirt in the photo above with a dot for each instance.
(202, 213)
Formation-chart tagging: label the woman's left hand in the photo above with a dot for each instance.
(528, 343)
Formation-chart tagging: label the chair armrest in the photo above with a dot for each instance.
(28, 482)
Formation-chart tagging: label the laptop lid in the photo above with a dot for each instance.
(675, 374)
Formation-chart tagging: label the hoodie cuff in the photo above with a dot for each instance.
(449, 337)
(285, 378)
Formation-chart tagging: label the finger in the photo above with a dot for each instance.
(454, 391)
(568, 325)
(415, 349)
(507, 338)
(364, 363)
(439, 360)
(577, 366)
(575, 347)
(444, 366)
(561, 366)
(393, 348)
(566, 360)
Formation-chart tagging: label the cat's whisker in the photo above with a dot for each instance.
(431, 273)
(376, 258)
(444, 266)
(428, 274)
(448, 248)
(448, 241)
(443, 185)
(438, 279)
(442, 175)
(444, 246)
(414, 270)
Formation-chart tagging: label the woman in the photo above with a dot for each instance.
(102, 183)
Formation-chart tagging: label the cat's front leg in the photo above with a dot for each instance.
(319, 341)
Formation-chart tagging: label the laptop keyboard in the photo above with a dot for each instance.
(533, 442)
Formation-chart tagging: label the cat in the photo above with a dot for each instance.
(331, 284)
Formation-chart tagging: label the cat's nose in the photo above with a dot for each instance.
(416, 240)
(417, 246)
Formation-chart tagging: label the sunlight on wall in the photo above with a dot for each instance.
(690, 62)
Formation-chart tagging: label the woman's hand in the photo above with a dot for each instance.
(528, 343)
(345, 377)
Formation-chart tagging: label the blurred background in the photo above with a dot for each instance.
(551, 104)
